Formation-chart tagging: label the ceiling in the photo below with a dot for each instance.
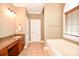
(32, 8)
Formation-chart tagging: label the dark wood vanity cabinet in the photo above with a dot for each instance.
(14, 48)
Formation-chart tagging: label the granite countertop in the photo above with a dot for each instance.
(7, 41)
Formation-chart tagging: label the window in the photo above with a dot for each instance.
(72, 23)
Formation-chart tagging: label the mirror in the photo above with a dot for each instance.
(7, 21)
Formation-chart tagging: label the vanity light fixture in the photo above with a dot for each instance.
(12, 12)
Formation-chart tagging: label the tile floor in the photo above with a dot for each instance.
(35, 49)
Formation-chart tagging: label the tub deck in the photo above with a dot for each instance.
(61, 47)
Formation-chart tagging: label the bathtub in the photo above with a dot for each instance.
(61, 47)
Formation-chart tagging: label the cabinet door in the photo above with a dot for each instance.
(21, 46)
(21, 43)
(4, 52)
(14, 51)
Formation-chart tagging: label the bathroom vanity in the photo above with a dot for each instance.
(12, 46)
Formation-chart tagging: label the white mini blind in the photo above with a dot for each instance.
(72, 23)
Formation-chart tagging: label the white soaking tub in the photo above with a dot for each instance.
(61, 47)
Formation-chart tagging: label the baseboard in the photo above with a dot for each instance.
(26, 46)
(32, 41)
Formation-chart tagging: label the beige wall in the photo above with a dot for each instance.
(53, 20)
(7, 21)
(20, 18)
(35, 16)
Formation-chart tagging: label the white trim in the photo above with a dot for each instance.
(69, 6)
(71, 37)
(26, 46)
(32, 41)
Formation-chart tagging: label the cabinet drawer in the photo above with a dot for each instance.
(4, 52)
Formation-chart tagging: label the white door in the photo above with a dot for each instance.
(35, 30)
